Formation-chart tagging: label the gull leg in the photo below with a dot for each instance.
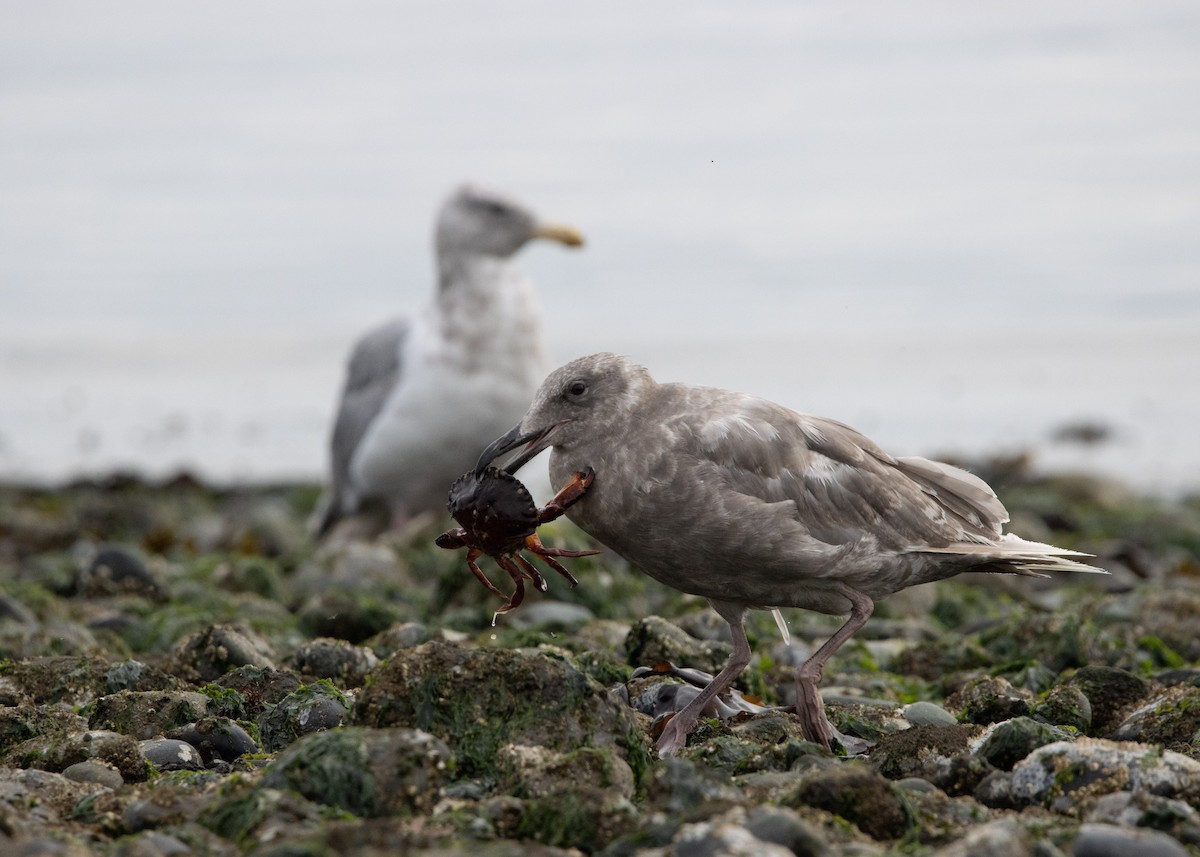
(674, 735)
(809, 705)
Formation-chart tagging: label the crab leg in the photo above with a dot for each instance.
(472, 555)
(531, 572)
(570, 493)
(548, 558)
(515, 573)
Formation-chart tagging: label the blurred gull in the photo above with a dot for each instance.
(754, 506)
(422, 395)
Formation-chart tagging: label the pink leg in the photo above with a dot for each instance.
(674, 736)
(809, 705)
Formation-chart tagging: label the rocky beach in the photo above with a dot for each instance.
(183, 671)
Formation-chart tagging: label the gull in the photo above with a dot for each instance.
(422, 395)
(755, 506)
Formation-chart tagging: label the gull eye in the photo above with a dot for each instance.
(577, 388)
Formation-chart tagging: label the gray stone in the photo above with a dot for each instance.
(368, 772)
(928, 714)
(217, 738)
(148, 714)
(785, 827)
(1106, 840)
(1007, 743)
(1003, 838)
(1051, 775)
(171, 754)
(91, 771)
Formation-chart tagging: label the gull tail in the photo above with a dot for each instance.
(1015, 555)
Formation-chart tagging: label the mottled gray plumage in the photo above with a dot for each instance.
(423, 394)
(752, 505)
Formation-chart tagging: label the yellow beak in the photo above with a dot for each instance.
(559, 232)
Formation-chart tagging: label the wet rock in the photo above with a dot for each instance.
(990, 700)
(551, 616)
(1003, 838)
(259, 687)
(1008, 743)
(311, 708)
(151, 843)
(250, 815)
(928, 714)
(478, 700)
(402, 635)
(1171, 718)
(923, 751)
(785, 827)
(58, 752)
(70, 679)
(217, 738)
(368, 772)
(255, 574)
(114, 570)
(91, 771)
(170, 754)
(725, 835)
(1065, 705)
(937, 819)
(533, 771)
(1105, 840)
(654, 639)
(45, 800)
(208, 654)
(147, 714)
(1059, 775)
(858, 794)
(1142, 809)
(11, 695)
(162, 804)
(691, 791)
(135, 675)
(350, 616)
(358, 566)
(1110, 692)
(262, 526)
(996, 791)
(345, 664)
(579, 799)
(22, 722)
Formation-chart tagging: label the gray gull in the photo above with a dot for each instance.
(422, 395)
(754, 506)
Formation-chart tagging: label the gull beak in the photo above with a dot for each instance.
(559, 232)
(511, 440)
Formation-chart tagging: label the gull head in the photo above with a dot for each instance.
(594, 397)
(479, 221)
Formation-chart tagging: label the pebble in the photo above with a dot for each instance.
(170, 754)
(928, 714)
(1106, 840)
(92, 771)
(217, 738)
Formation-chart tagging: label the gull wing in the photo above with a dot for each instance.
(372, 373)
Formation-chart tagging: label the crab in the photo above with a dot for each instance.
(500, 519)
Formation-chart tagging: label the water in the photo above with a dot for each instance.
(954, 227)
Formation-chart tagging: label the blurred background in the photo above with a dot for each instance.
(958, 227)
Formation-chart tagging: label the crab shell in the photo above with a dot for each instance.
(495, 509)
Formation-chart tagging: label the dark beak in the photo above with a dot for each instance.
(510, 441)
